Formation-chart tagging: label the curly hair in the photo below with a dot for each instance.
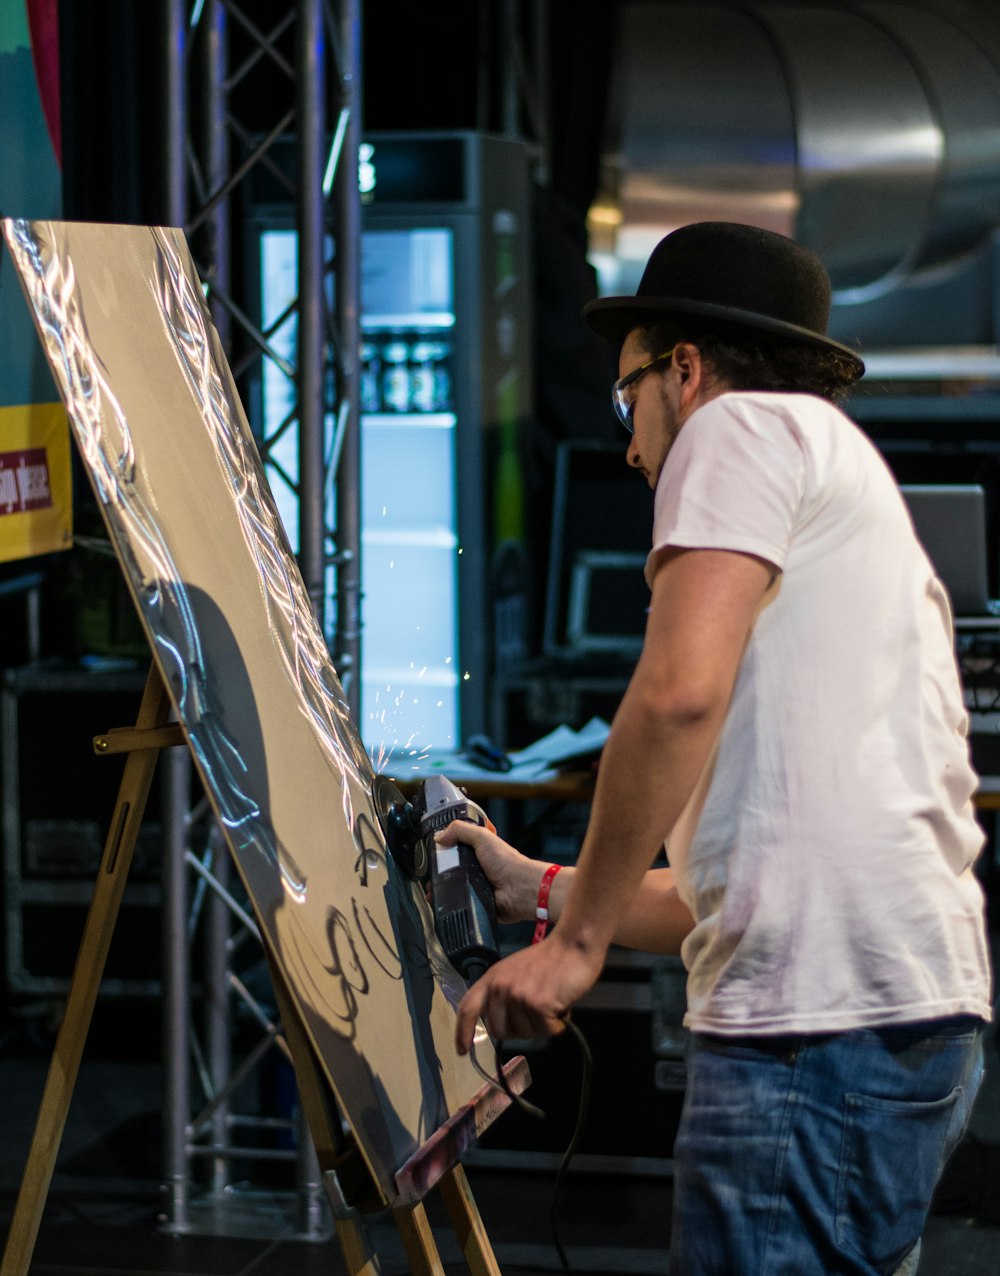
(744, 364)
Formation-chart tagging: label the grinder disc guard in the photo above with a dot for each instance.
(401, 826)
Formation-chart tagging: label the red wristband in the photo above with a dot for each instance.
(542, 907)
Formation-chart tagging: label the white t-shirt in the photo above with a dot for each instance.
(827, 852)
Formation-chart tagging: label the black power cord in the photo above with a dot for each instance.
(500, 1082)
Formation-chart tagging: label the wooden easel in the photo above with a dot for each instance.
(348, 1183)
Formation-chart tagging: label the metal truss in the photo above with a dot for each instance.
(228, 1106)
(305, 58)
(221, 56)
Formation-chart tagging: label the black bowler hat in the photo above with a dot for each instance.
(731, 279)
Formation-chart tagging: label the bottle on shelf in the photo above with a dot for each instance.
(396, 389)
(422, 394)
(430, 381)
(369, 388)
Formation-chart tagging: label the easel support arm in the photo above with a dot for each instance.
(131, 739)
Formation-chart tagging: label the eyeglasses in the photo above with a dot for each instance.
(621, 399)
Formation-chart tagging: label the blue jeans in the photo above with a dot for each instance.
(811, 1155)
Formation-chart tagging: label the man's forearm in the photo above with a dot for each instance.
(648, 772)
(655, 921)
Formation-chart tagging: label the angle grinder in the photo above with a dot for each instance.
(461, 898)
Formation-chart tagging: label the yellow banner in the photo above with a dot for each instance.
(36, 486)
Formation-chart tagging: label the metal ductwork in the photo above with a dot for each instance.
(869, 132)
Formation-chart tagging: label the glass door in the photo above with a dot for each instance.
(410, 659)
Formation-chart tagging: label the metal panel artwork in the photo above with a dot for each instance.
(164, 438)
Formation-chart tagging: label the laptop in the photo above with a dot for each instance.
(950, 522)
(596, 596)
(608, 601)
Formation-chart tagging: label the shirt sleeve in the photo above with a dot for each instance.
(734, 479)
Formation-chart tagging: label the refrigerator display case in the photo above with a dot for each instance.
(444, 384)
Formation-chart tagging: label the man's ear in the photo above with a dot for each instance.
(691, 370)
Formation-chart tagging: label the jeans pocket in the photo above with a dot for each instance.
(891, 1158)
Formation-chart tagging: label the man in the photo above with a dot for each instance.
(795, 732)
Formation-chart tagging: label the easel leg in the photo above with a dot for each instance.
(467, 1223)
(353, 1238)
(332, 1146)
(418, 1240)
(87, 973)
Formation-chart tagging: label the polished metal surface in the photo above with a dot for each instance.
(704, 123)
(963, 87)
(869, 147)
(157, 420)
(869, 132)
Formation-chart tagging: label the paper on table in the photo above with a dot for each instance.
(539, 761)
(560, 746)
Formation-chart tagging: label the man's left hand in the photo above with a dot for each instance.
(528, 994)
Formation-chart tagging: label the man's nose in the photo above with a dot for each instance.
(632, 454)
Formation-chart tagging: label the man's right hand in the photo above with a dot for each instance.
(514, 877)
